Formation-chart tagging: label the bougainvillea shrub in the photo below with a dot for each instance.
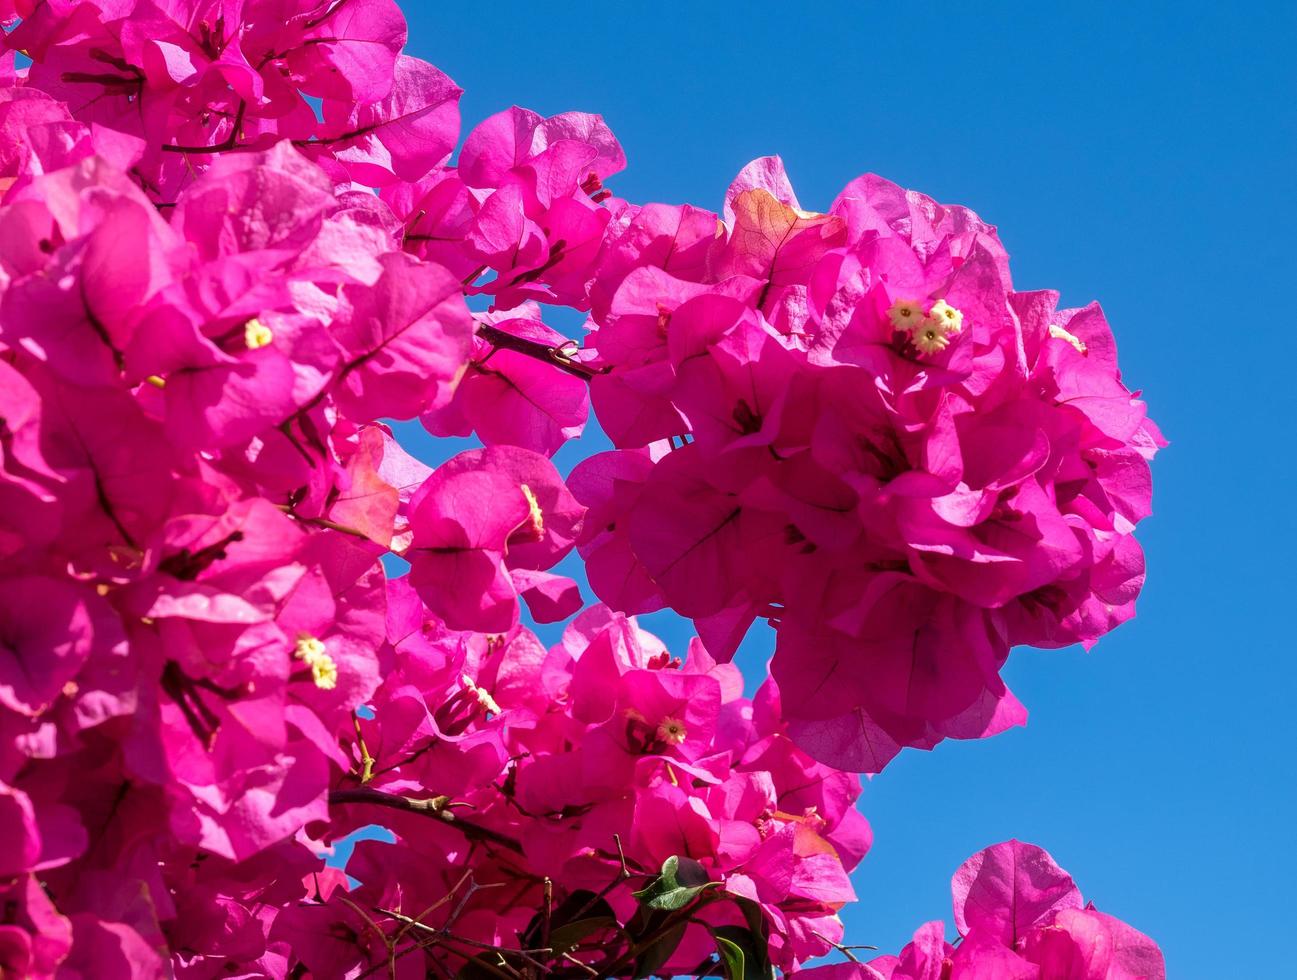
(237, 239)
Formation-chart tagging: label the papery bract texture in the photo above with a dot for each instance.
(236, 244)
(1020, 915)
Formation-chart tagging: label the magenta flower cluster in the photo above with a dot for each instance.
(1020, 917)
(233, 247)
(851, 425)
(593, 764)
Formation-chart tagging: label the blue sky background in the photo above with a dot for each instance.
(1141, 154)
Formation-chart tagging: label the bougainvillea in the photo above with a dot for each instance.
(905, 464)
(233, 248)
(1020, 917)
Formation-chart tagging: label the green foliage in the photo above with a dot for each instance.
(681, 881)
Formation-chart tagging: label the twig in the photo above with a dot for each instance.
(621, 855)
(623, 875)
(560, 357)
(366, 760)
(444, 934)
(548, 913)
(674, 919)
(392, 954)
(457, 911)
(428, 745)
(585, 966)
(844, 950)
(223, 146)
(323, 522)
(436, 807)
(418, 919)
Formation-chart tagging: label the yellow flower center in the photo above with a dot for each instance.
(947, 316)
(535, 522)
(256, 334)
(931, 337)
(311, 651)
(905, 315)
(325, 673)
(672, 731)
(309, 648)
(1058, 333)
(483, 696)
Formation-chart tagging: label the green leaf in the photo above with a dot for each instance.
(732, 958)
(756, 919)
(743, 953)
(680, 882)
(565, 938)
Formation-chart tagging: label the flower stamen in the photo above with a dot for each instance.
(482, 695)
(1058, 333)
(930, 337)
(257, 335)
(905, 315)
(672, 731)
(535, 522)
(311, 651)
(947, 316)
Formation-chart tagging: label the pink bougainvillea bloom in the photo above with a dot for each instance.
(461, 524)
(351, 51)
(49, 628)
(846, 423)
(272, 203)
(400, 137)
(22, 837)
(479, 515)
(518, 137)
(549, 597)
(35, 938)
(112, 950)
(554, 515)
(774, 242)
(1021, 917)
(881, 403)
(1002, 891)
(927, 957)
(405, 341)
(509, 398)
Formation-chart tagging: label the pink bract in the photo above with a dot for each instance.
(236, 244)
(1021, 916)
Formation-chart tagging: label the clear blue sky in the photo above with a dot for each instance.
(1137, 153)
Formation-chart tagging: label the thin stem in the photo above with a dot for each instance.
(430, 744)
(623, 874)
(621, 856)
(549, 913)
(424, 927)
(366, 760)
(682, 917)
(225, 145)
(844, 950)
(440, 936)
(559, 357)
(324, 522)
(585, 966)
(436, 807)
